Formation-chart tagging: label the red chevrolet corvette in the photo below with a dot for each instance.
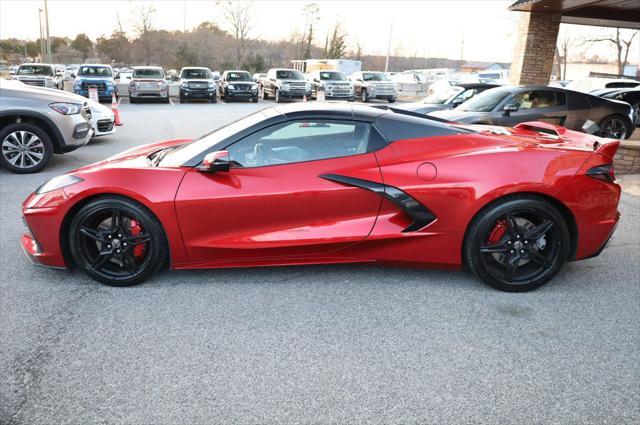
(328, 183)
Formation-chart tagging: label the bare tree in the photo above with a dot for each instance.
(622, 45)
(238, 17)
(565, 44)
(310, 12)
(143, 27)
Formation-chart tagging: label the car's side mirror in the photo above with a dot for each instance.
(511, 107)
(215, 161)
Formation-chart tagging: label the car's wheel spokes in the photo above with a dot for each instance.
(23, 149)
(520, 247)
(111, 247)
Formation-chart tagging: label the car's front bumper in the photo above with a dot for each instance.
(40, 242)
(75, 130)
(198, 94)
(290, 94)
(241, 94)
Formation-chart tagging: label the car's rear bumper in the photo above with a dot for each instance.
(607, 239)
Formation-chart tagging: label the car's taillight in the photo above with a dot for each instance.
(602, 172)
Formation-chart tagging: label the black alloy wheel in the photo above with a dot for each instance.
(117, 241)
(517, 245)
(613, 127)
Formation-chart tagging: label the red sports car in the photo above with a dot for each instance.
(327, 183)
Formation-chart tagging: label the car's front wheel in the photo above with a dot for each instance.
(117, 241)
(364, 96)
(277, 96)
(518, 244)
(26, 148)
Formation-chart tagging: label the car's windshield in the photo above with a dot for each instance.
(179, 156)
(148, 73)
(35, 70)
(289, 74)
(94, 71)
(443, 96)
(485, 101)
(196, 73)
(238, 76)
(332, 76)
(374, 76)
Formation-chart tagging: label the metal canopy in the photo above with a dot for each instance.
(606, 13)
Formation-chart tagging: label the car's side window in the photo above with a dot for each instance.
(302, 140)
(535, 99)
(561, 99)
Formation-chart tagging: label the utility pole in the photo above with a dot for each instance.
(386, 63)
(41, 36)
(461, 51)
(46, 20)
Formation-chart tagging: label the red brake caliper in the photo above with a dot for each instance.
(138, 250)
(498, 232)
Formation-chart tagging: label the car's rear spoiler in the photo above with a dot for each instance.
(604, 147)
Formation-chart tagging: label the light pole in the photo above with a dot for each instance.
(386, 62)
(46, 20)
(41, 36)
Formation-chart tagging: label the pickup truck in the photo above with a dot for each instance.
(95, 76)
(334, 84)
(373, 85)
(40, 75)
(283, 83)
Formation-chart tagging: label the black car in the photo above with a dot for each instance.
(197, 83)
(459, 94)
(631, 96)
(238, 85)
(510, 105)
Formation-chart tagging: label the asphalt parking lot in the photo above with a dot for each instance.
(321, 344)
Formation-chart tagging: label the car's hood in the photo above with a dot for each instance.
(96, 79)
(52, 95)
(423, 108)
(459, 116)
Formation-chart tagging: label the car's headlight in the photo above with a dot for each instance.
(164, 85)
(231, 87)
(184, 85)
(284, 87)
(211, 85)
(58, 183)
(66, 108)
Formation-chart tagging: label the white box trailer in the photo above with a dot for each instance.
(348, 66)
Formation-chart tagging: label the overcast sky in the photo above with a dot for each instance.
(421, 28)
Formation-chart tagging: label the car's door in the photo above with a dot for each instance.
(274, 203)
(536, 105)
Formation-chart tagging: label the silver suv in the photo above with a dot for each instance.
(40, 74)
(37, 122)
(373, 85)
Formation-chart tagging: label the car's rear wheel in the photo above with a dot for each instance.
(117, 241)
(263, 93)
(26, 148)
(518, 244)
(614, 127)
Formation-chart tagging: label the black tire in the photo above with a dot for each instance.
(277, 96)
(364, 96)
(615, 127)
(167, 100)
(107, 252)
(213, 99)
(391, 99)
(24, 162)
(254, 99)
(132, 100)
(265, 96)
(182, 100)
(532, 248)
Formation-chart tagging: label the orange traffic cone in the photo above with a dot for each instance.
(114, 108)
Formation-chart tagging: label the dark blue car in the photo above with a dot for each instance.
(99, 77)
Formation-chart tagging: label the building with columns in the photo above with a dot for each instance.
(539, 25)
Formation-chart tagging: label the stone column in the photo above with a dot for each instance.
(535, 48)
